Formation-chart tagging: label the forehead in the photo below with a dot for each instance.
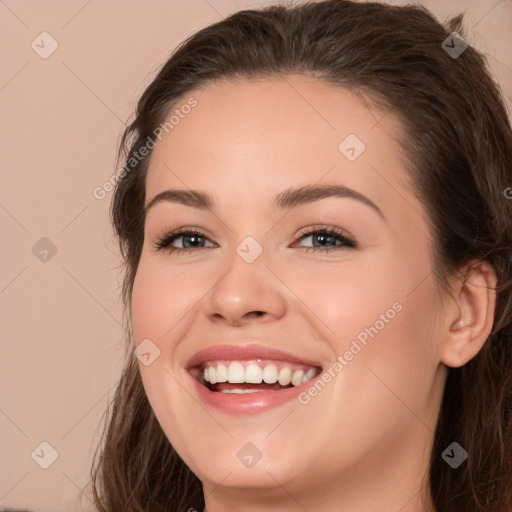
(248, 139)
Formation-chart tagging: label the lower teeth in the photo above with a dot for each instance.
(242, 391)
(244, 388)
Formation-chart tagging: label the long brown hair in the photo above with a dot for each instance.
(459, 153)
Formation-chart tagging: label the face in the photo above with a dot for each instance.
(331, 288)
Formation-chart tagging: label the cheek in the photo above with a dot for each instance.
(391, 352)
(157, 308)
(347, 297)
(377, 316)
(161, 298)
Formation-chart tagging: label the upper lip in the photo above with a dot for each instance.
(245, 353)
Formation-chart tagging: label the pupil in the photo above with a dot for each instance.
(192, 237)
(322, 237)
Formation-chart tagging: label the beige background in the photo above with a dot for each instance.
(61, 118)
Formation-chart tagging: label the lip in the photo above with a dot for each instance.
(249, 403)
(245, 353)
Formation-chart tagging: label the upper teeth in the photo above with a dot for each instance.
(254, 372)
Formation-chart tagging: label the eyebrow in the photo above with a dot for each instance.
(285, 200)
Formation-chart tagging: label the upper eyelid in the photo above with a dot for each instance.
(307, 229)
(323, 227)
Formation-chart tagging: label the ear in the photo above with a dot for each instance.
(469, 321)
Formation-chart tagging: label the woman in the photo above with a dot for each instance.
(314, 217)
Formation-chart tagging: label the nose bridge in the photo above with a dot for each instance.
(247, 289)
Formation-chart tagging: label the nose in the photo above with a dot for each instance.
(245, 293)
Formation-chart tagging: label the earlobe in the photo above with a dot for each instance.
(473, 315)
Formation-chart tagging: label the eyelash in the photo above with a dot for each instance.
(347, 241)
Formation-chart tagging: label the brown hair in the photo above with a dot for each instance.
(459, 153)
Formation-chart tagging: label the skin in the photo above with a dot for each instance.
(363, 443)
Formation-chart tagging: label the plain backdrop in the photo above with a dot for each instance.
(61, 117)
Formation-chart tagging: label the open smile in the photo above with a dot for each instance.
(249, 379)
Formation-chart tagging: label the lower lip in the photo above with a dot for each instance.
(247, 403)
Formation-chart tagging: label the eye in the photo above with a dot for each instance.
(190, 239)
(321, 235)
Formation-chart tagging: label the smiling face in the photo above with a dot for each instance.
(277, 284)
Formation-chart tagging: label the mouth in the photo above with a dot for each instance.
(249, 379)
(252, 376)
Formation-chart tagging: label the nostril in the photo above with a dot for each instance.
(256, 313)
